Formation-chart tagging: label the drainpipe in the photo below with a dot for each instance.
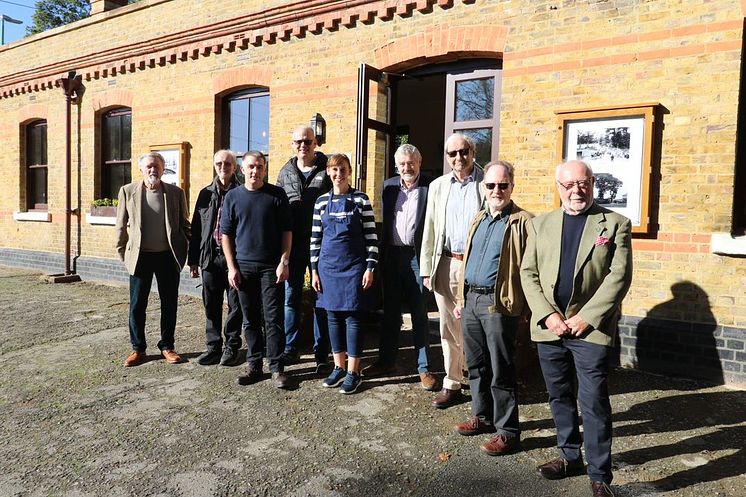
(72, 87)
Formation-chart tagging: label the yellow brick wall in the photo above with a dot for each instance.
(685, 55)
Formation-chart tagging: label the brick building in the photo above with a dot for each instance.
(531, 80)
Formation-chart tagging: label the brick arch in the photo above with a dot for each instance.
(32, 113)
(112, 98)
(442, 43)
(241, 76)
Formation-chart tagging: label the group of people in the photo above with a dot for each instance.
(490, 264)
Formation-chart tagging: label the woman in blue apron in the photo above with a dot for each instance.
(344, 254)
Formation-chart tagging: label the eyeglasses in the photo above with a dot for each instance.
(582, 184)
(305, 142)
(463, 152)
(501, 186)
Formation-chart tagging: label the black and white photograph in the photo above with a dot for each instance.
(614, 150)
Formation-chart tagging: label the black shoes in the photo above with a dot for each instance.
(209, 357)
(280, 380)
(250, 377)
(559, 468)
(230, 357)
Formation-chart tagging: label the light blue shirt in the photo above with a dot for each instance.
(460, 210)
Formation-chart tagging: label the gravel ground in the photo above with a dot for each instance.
(75, 423)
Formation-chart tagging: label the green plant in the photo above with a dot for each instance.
(104, 202)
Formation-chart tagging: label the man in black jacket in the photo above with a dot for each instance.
(304, 179)
(205, 252)
(404, 199)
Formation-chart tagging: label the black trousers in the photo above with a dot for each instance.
(563, 363)
(489, 345)
(259, 294)
(214, 286)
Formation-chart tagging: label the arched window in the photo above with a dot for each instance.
(245, 121)
(116, 151)
(36, 165)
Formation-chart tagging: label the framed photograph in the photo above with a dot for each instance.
(618, 145)
(176, 158)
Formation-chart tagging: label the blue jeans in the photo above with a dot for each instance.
(402, 283)
(293, 295)
(166, 271)
(344, 332)
(561, 363)
(258, 293)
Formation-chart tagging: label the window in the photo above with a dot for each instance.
(473, 108)
(36, 165)
(246, 121)
(738, 225)
(116, 151)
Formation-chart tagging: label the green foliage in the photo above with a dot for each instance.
(53, 13)
(104, 202)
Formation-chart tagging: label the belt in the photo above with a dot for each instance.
(448, 253)
(484, 290)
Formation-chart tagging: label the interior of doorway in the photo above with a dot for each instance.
(420, 118)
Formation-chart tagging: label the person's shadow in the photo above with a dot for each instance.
(677, 337)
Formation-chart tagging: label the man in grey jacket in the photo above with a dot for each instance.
(304, 179)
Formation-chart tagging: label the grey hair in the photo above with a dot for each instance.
(588, 169)
(231, 155)
(153, 155)
(467, 139)
(508, 168)
(408, 149)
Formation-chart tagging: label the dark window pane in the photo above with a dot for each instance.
(116, 135)
(36, 143)
(259, 124)
(118, 176)
(37, 186)
(483, 139)
(126, 136)
(474, 99)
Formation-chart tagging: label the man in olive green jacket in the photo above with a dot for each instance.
(576, 271)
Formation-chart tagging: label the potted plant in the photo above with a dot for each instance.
(104, 207)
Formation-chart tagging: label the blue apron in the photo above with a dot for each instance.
(342, 257)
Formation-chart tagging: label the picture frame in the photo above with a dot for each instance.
(177, 162)
(618, 144)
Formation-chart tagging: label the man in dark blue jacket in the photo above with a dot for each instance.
(304, 179)
(404, 200)
(205, 252)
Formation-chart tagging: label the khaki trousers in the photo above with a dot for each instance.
(451, 337)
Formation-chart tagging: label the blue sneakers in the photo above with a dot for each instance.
(352, 381)
(335, 378)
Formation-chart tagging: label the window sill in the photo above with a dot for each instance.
(724, 244)
(101, 220)
(42, 216)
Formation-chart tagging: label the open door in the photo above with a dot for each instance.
(376, 129)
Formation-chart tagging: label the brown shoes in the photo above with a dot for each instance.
(135, 359)
(171, 356)
(559, 468)
(447, 398)
(601, 489)
(473, 426)
(429, 382)
(500, 445)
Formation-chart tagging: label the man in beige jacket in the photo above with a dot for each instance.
(152, 231)
(490, 304)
